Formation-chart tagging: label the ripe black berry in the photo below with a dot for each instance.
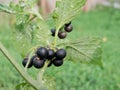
(62, 35)
(51, 54)
(24, 62)
(68, 28)
(67, 24)
(60, 54)
(33, 57)
(53, 32)
(38, 63)
(42, 53)
(57, 62)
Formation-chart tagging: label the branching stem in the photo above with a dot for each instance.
(23, 73)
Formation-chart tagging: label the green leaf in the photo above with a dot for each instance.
(67, 10)
(22, 22)
(22, 43)
(42, 33)
(85, 50)
(5, 8)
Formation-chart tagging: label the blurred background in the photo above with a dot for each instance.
(99, 18)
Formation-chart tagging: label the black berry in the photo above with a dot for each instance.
(62, 35)
(51, 54)
(67, 24)
(24, 62)
(57, 62)
(33, 57)
(53, 32)
(60, 54)
(42, 53)
(38, 63)
(68, 28)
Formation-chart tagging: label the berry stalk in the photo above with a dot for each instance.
(41, 72)
(56, 34)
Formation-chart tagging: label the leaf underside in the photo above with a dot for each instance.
(67, 10)
(85, 50)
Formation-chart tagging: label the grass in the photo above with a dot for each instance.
(102, 22)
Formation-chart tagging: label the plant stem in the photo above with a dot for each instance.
(22, 72)
(56, 36)
(41, 72)
(29, 58)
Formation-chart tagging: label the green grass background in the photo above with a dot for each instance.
(101, 22)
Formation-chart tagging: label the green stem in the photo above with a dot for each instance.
(29, 58)
(22, 72)
(56, 36)
(41, 72)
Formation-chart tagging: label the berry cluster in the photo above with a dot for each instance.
(42, 54)
(62, 34)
